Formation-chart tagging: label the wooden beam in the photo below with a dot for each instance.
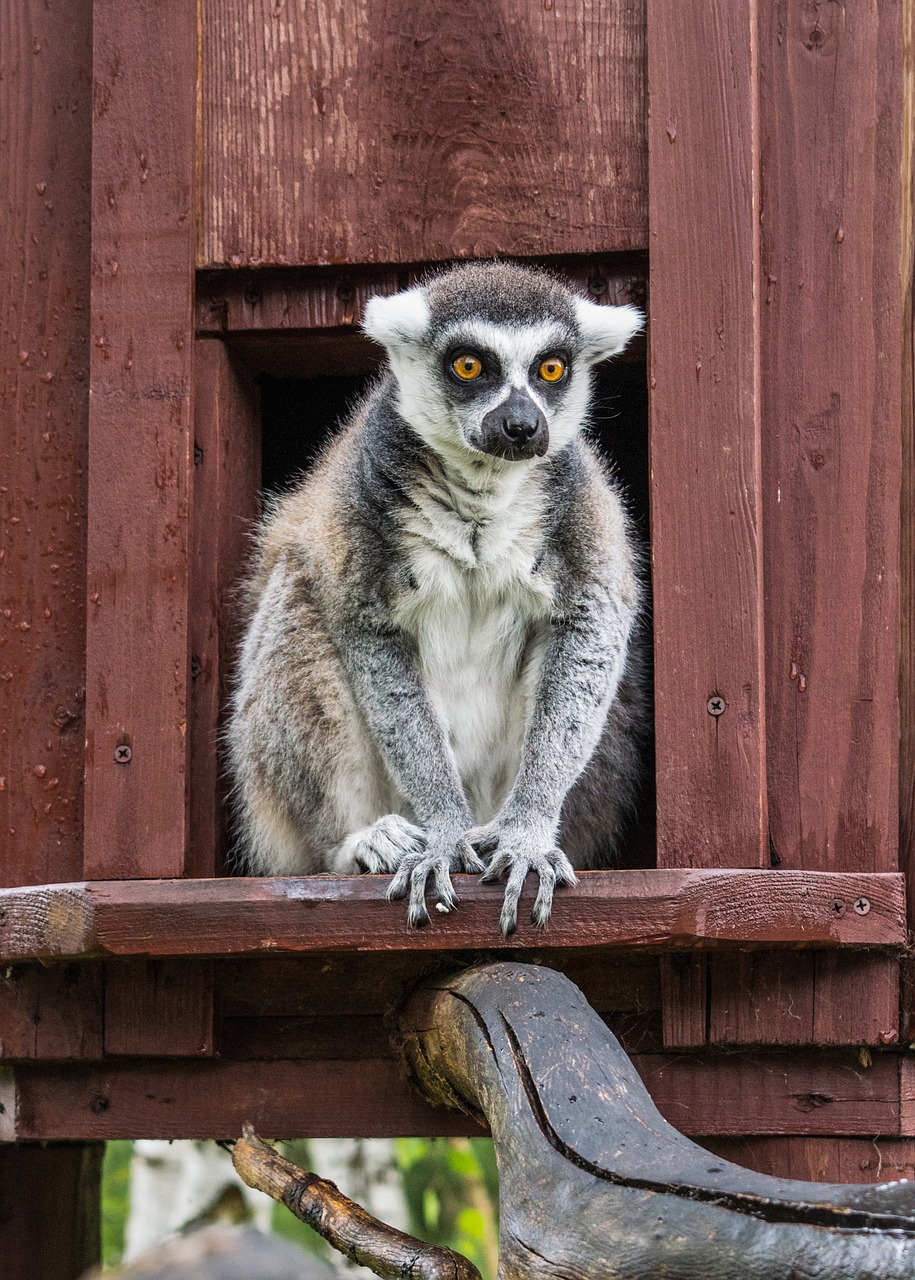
(704, 433)
(45, 169)
(817, 1093)
(140, 439)
(660, 910)
(50, 1210)
(416, 133)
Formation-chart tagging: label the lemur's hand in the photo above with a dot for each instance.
(518, 847)
(445, 851)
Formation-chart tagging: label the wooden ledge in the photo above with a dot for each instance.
(656, 910)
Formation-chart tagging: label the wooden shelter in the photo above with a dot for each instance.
(196, 201)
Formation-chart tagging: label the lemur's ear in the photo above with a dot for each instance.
(397, 319)
(605, 331)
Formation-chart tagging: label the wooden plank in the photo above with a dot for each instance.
(50, 1210)
(907, 515)
(825, 1093)
(658, 910)
(684, 992)
(158, 1008)
(386, 134)
(140, 439)
(227, 481)
(373, 983)
(51, 1011)
(875, 1159)
(704, 431)
(44, 289)
(831, 87)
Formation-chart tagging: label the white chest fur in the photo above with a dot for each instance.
(479, 616)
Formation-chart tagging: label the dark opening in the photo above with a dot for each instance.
(300, 414)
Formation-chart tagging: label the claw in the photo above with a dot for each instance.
(413, 874)
(552, 868)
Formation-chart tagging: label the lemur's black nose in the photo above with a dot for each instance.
(515, 429)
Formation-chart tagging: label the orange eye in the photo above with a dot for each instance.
(467, 367)
(552, 368)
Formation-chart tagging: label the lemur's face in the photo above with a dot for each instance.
(492, 361)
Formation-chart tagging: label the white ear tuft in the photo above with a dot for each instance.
(398, 318)
(606, 331)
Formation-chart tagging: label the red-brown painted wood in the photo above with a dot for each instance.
(704, 379)
(831, 93)
(52, 1011)
(158, 1008)
(409, 133)
(875, 1159)
(46, 59)
(227, 481)
(812, 1093)
(50, 1210)
(659, 910)
(140, 439)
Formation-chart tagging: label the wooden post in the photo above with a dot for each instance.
(45, 100)
(140, 438)
(50, 1209)
(705, 459)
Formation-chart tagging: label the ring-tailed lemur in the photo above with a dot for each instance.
(438, 668)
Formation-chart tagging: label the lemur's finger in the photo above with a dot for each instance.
(565, 873)
(397, 889)
(467, 857)
(544, 903)
(417, 915)
(499, 864)
(482, 840)
(508, 921)
(447, 898)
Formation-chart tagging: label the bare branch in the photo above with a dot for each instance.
(344, 1224)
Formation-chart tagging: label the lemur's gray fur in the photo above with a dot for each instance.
(439, 666)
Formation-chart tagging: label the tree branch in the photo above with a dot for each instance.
(344, 1224)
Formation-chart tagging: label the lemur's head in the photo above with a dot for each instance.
(493, 360)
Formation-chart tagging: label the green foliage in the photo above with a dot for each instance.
(115, 1200)
(451, 1188)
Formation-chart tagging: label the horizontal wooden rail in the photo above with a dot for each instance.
(658, 910)
(828, 1093)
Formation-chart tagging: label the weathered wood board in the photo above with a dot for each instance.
(384, 131)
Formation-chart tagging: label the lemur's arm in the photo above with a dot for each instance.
(383, 676)
(583, 664)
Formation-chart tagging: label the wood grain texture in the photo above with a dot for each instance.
(655, 910)
(227, 481)
(822, 1159)
(704, 424)
(394, 132)
(816, 1093)
(51, 1012)
(831, 95)
(140, 439)
(45, 103)
(50, 1210)
(158, 1008)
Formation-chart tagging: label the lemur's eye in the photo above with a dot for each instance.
(467, 367)
(552, 368)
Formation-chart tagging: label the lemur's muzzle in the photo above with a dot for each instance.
(515, 429)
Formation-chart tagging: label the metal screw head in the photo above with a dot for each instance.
(252, 295)
(838, 906)
(597, 285)
(122, 753)
(862, 906)
(716, 705)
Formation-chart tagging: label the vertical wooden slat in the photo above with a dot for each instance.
(45, 158)
(159, 1008)
(140, 438)
(831, 88)
(907, 520)
(227, 481)
(50, 1209)
(704, 415)
(51, 1012)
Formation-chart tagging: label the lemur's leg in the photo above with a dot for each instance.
(384, 678)
(581, 671)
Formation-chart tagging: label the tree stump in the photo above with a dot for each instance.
(594, 1182)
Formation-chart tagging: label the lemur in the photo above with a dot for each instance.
(439, 674)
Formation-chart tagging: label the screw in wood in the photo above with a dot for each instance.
(862, 906)
(597, 285)
(122, 753)
(252, 295)
(838, 906)
(716, 705)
